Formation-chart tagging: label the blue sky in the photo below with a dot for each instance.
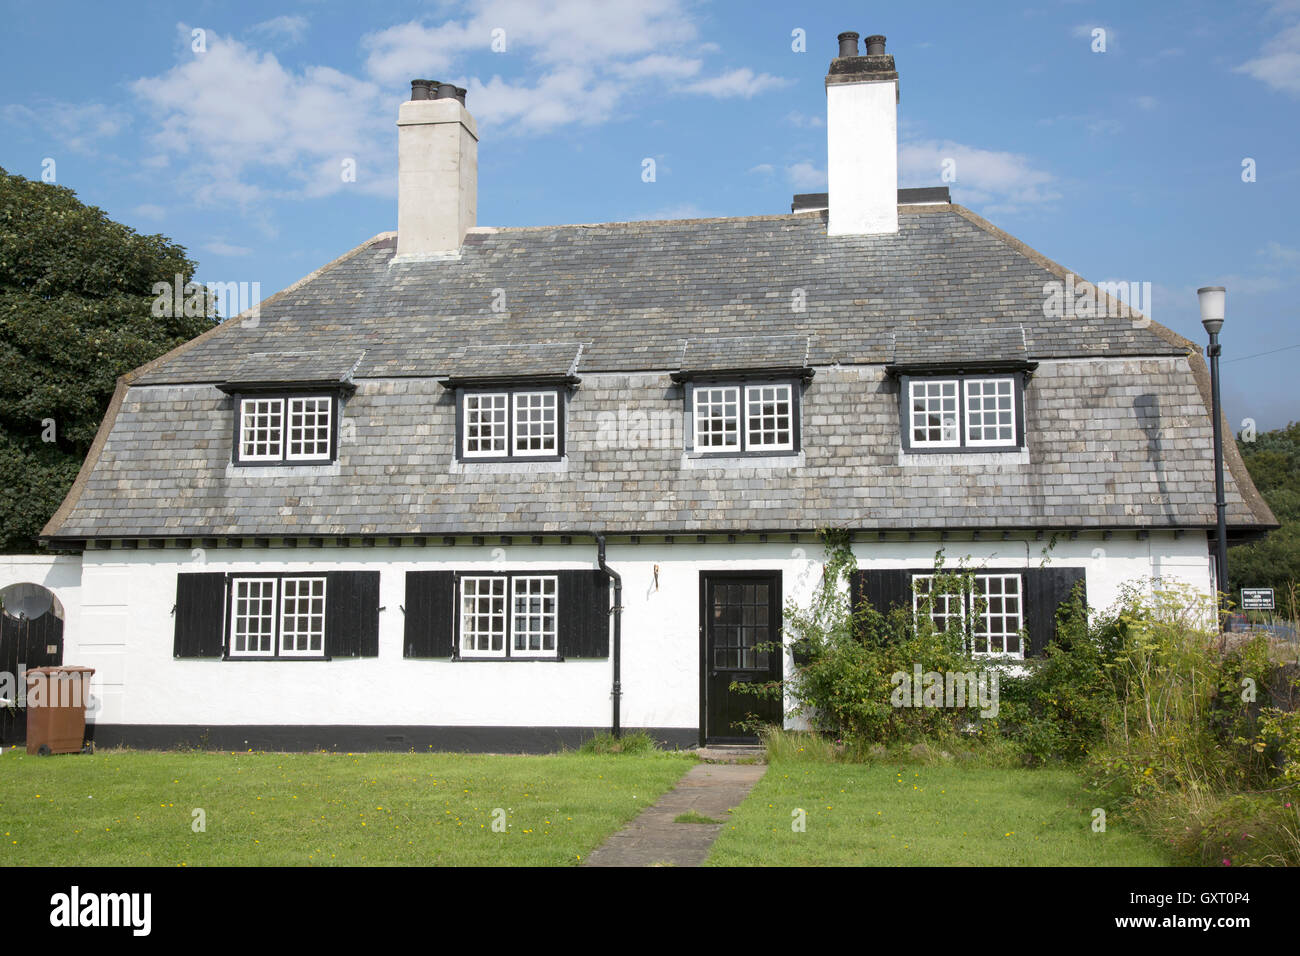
(1121, 165)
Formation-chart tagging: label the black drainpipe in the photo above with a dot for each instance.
(617, 728)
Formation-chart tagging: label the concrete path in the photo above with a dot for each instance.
(653, 839)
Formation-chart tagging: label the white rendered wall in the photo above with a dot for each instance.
(60, 573)
(862, 157)
(125, 630)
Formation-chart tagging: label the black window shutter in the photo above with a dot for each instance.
(200, 615)
(430, 614)
(884, 589)
(352, 613)
(584, 613)
(1045, 590)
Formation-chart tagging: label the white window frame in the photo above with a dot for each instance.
(790, 413)
(282, 408)
(966, 602)
(314, 631)
(553, 632)
(967, 396)
(514, 430)
(505, 409)
(722, 402)
(235, 617)
(925, 383)
(275, 408)
(327, 424)
(494, 580)
(743, 395)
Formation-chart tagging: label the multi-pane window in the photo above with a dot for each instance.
(310, 428)
(512, 424)
(252, 616)
(947, 608)
(533, 625)
(277, 617)
(717, 418)
(285, 429)
(769, 417)
(934, 413)
(302, 616)
(483, 616)
(486, 427)
(744, 419)
(962, 412)
(261, 429)
(536, 423)
(990, 411)
(509, 615)
(741, 625)
(992, 605)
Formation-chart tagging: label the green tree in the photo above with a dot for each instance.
(1273, 460)
(76, 291)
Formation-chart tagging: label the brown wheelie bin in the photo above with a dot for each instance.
(56, 709)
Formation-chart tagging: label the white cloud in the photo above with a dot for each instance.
(804, 175)
(1280, 254)
(742, 82)
(681, 211)
(1146, 102)
(1278, 64)
(999, 181)
(804, 120)
(149, 211)
(76, 126)
(593, 53)
(290, 29)
(764, 169)
(220, 248)
(232, 112)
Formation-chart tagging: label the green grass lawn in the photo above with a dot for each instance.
(896, 814)
(136, 808)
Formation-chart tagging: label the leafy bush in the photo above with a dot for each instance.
(849, 661)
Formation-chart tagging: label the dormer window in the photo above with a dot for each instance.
(743, 418)
(963, 412)
(285, 429)
(510, 423)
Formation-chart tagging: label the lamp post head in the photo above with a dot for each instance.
(1211, 297)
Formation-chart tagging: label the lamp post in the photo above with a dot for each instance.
(1211, 298)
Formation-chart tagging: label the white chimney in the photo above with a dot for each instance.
(862, 139)
(437, 172)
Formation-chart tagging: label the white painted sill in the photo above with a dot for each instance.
(693, 461)
(521, 467)
(972, 459)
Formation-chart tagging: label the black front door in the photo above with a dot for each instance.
(24, 644)
(739, 611)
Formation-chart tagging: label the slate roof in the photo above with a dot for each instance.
(633, 292)
(1118, 427)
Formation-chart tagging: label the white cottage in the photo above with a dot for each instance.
(500, 488)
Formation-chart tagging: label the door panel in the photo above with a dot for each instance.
(738, 613)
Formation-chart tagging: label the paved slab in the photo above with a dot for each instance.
(654, 839)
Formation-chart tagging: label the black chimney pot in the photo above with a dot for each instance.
(460, 94)
(848, 43)
(446, 91)
(875, 45)
(420, 89)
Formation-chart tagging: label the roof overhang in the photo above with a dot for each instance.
(505, 380)
(961, 368)
(336, 386)
(802, 372)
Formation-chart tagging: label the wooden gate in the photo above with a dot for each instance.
(24, 644)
